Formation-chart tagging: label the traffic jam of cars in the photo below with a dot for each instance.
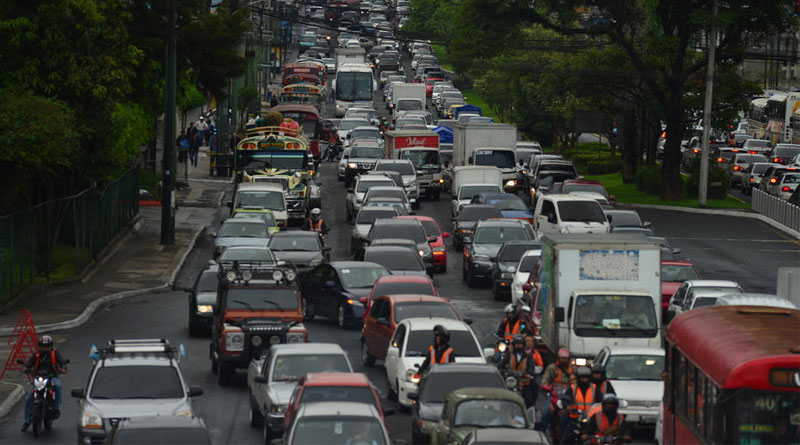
(608, 334)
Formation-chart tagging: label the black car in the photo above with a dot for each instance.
(488, 238)
(400, 260)
(160, 430)
(202, 298)
(437, 383)
(466, 219)
(505, 263)
(334, 290)
(301, 248)
(411, 229)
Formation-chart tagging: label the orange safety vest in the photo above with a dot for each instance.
(521, 366)
(560, 376)
(445, 356)
(602, 387)
(53, 361)
(537, 358)
(315, 227)
(605, 427)
(583, 401)
(510, 333)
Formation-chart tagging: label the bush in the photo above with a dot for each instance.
(718, 183)
(648, 179)
(601, 167)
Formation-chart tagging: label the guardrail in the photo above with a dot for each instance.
(776, 209)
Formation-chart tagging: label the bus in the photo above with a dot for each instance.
(309, 119)
(775, 118)
(354, 83)
(733, 376)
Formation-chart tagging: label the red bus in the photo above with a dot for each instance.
(309, 119)
(733, 376)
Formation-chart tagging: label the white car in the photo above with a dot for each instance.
(683, 298)
(523, 271)
(635, 374)
(409, 346)
(343, 164)
(355, 194)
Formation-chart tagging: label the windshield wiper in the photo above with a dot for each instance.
(273, 303)
(243, 303)
(638, 328)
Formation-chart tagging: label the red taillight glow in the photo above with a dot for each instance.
(720, 160)
(773, 180)
(752, 179)
(696, 150)
(786, 188)
(737, 168)
(777, 159)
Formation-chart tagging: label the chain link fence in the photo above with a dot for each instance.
(58, 239)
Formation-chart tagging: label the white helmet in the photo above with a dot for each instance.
(525, 308)
(510, 309)
(316, 211)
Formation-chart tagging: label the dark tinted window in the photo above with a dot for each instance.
(501, 235)
(678, 273)
(469, 213)
(431, 229)
(290, 367)
(404, 168)
(403, 288)
(396, 260)
(295, 244)
(513, 252)
(509, 204)
(786, 151)
(208, 282)
(440, 384)
(403, 311)
(363, 186)
(584, 211)
(338, 430)
(624, 219)
(136, 382)
(399, 231)
(369, 216)
(360, 394)
(501, 159)
(461, 341)
(528, 262)
(177, 436)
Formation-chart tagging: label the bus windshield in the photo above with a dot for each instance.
(766, 417)
(354, 86)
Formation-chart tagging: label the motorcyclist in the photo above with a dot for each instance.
(519, 361)
(440, 351)
(47, 359)
(384, 125)
(315, 223)
(511, 324)
(601, 381)
(530, 349)
(606, 421)
(582, 393)
(561, 372)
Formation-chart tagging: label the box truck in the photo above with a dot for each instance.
(421, 147)
(488, 145)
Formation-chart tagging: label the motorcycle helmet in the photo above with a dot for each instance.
(564, 354)
(584, 371)
(441, 331)
(610, 400)
(597, 368)
(518, 340)
(511, 310)
(316, 211)
(525, 308)
(45, 341)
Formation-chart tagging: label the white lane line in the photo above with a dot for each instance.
(740, 240)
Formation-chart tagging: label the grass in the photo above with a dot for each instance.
(444, 59)
(62, 263)
(472, 98)
(628, 194)
(150, 181)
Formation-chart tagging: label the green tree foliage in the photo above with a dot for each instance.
(189, 96)
(247, 96)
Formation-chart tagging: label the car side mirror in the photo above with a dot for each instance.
(669, 316)
(330, 285)
(493, 259)
(446, 164)
(412, 396)
(676, 251)
(468, 320)
(560, 315)
(446, 235)
(676, 302)
(383, 322)
(78, 393)
(647, 224)
(488, 352)
(212, 263)
(260, 379)
(326, 249)
(195, 391)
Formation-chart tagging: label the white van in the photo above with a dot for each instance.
(262, 195)
(569, 214)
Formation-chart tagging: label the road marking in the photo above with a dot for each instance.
(779, 233)
(740, 240)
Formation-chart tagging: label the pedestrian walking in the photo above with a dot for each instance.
(195, 140)
(202, 128)
(182, 144)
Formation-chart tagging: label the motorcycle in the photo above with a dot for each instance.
(501, 348)
(44, 401)
(600, 439)
(554, 394)
(334, 153)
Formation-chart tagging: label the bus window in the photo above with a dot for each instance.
(681, 378)
(701, 394)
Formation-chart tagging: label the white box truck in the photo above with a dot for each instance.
(407, 97)
(421, 147)
(488, 145)
(469, 180)
(600, 290)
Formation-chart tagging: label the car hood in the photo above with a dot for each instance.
(363, 160)
(489, 250)
(639, 390)
(229, 241)
(297, 257)
(206, 297)
(280, 392)
(516, 214)
(110, 409)
(430, 411)
(408, 178)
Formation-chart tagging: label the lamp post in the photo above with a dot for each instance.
(168, 163)
(702, 192)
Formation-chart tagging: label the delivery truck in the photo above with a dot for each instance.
(487, 144)
(599, 290)
(469, 180)
(407, 97)
(421, 147)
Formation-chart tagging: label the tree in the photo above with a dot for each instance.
(189, 96)
(247, 94)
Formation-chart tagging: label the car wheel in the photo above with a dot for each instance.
(224, 374)
(256, 419)
(267, 433)
(366, 358)
(308, 310)
(340, 317)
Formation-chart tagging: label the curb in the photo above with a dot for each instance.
(12, 399)
(718, 212)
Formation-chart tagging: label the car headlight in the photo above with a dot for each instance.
(511, 183)
(421, 253)
(91, 419)
(277, 409)
(351, 165)
(354, 302)
(315, 262)
(184, 412)
(412, 376)
(204, 308)
(296, 336)
(479, 257)
(507, 276)
(234, 340)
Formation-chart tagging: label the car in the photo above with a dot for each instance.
(348, 124)
(367, 113)
(317, 387)
(466, 219)
(522, 274)
(435, 234)
(738, 165)
(202, 298)
(261, 195)
(509, 204)
(773, 175)
(363, 222)
(338, 423)
(166, 430)
(246, 253)
(379, 193)
(410, 229)
(410, 343)
(673, 274)
(400, 284)
(304, 249)
(132, 378)
(366, 133)
(585, 186)
(409, 174)
(784, 187)
(751, 176)
(334, 290)
(504, 266)
(683, 296)
(489, 238)
(259, 213)
(361, 159)
(754, 299)
(549, 182)
(784, 153)
(506, 436)
(627, 221)
(400, 260)
(466, 192)
(437, 383)
(355, 194)
(569, 214)
(759, 146)
(635, 374)
(388, 311)
(468, 409)
(271, 379)
(240, 232)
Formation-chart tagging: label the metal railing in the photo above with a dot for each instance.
(58, 239)
(776, 209)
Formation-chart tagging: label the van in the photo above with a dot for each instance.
(261, 195)
(569, 214)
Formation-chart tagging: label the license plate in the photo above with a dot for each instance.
(648, 419)
(425, 177)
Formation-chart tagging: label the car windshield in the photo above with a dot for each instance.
(704, 302)
(438, 385)
(408, 104)
(527, 263)
(430, 309)
(791, 179)
(295, 244)
(462, 341)
(349, 124)
(470, 213)
(786, 152)
(490, 413)
(362, 277)
(581, 211)
(396, 259)
(290, 367)
(363, 186)
(497, 158)
(267, 200)
(749, 159)
(338, 431)
(399, 231)
(635, 367)
(430, 227)
(366, 152)
(394, 288)
(509, 204)
(624, 219)
(247, 254)
(208, 281)
(267, 217)
(261, 299)
(136, 382)
(365, 133)
(242, 230)
(608, 313)
(358, 394)
(500, 235)
(374, 195)
(152, 435)
(403, 168)
(716, 289)
(512, 252)
(677, 273)
(469, 191)
(369, 216)
(422, 158)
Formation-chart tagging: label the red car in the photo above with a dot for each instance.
(673, 274)
(399, 284)
(432, 229)
(429, 84)
(332, 387)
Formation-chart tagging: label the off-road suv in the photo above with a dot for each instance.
(258, 305)
(131, 378)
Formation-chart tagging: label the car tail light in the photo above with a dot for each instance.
(696, 150)
(720, 160)
(737, 168)
(786, 188)
(752, 152)
(773, 180)
(752, 179)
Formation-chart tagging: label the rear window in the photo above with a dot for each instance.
(387, 193)
(399, 231)
(786, 152)
(438, 385)
(460, 341)
(513, 252)
(359, 394)
(500, 235)
(582, 211)
(403, 311)
(403, 288)
(408, 260)
(749, 159)
(369, 216)
(468, 213)
(363, 186)
(404, 168)
(136, 382)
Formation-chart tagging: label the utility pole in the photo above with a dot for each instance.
(702, 192)
(168, 164)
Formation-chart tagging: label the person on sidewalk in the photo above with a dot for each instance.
(195, 140)
(182, 143)
(49, 360)
(202, 128)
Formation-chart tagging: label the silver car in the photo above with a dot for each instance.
(409, 174)
(240, 232)
(379, 193)
(364, 220)
(751, 177)
(355, 194)
(343, 422)
(132, 378)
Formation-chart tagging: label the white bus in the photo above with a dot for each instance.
(354, 83)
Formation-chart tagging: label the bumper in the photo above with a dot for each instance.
(641, 416)
(88, 436)
(275, 422)
(440, 258)
(421, 429)
(202, 319)
(501, 285)
(480, 269)
(404, 388)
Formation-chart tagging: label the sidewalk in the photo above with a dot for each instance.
(137, 264)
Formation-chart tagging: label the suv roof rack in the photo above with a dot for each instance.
(245, 270)
(136, 346)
